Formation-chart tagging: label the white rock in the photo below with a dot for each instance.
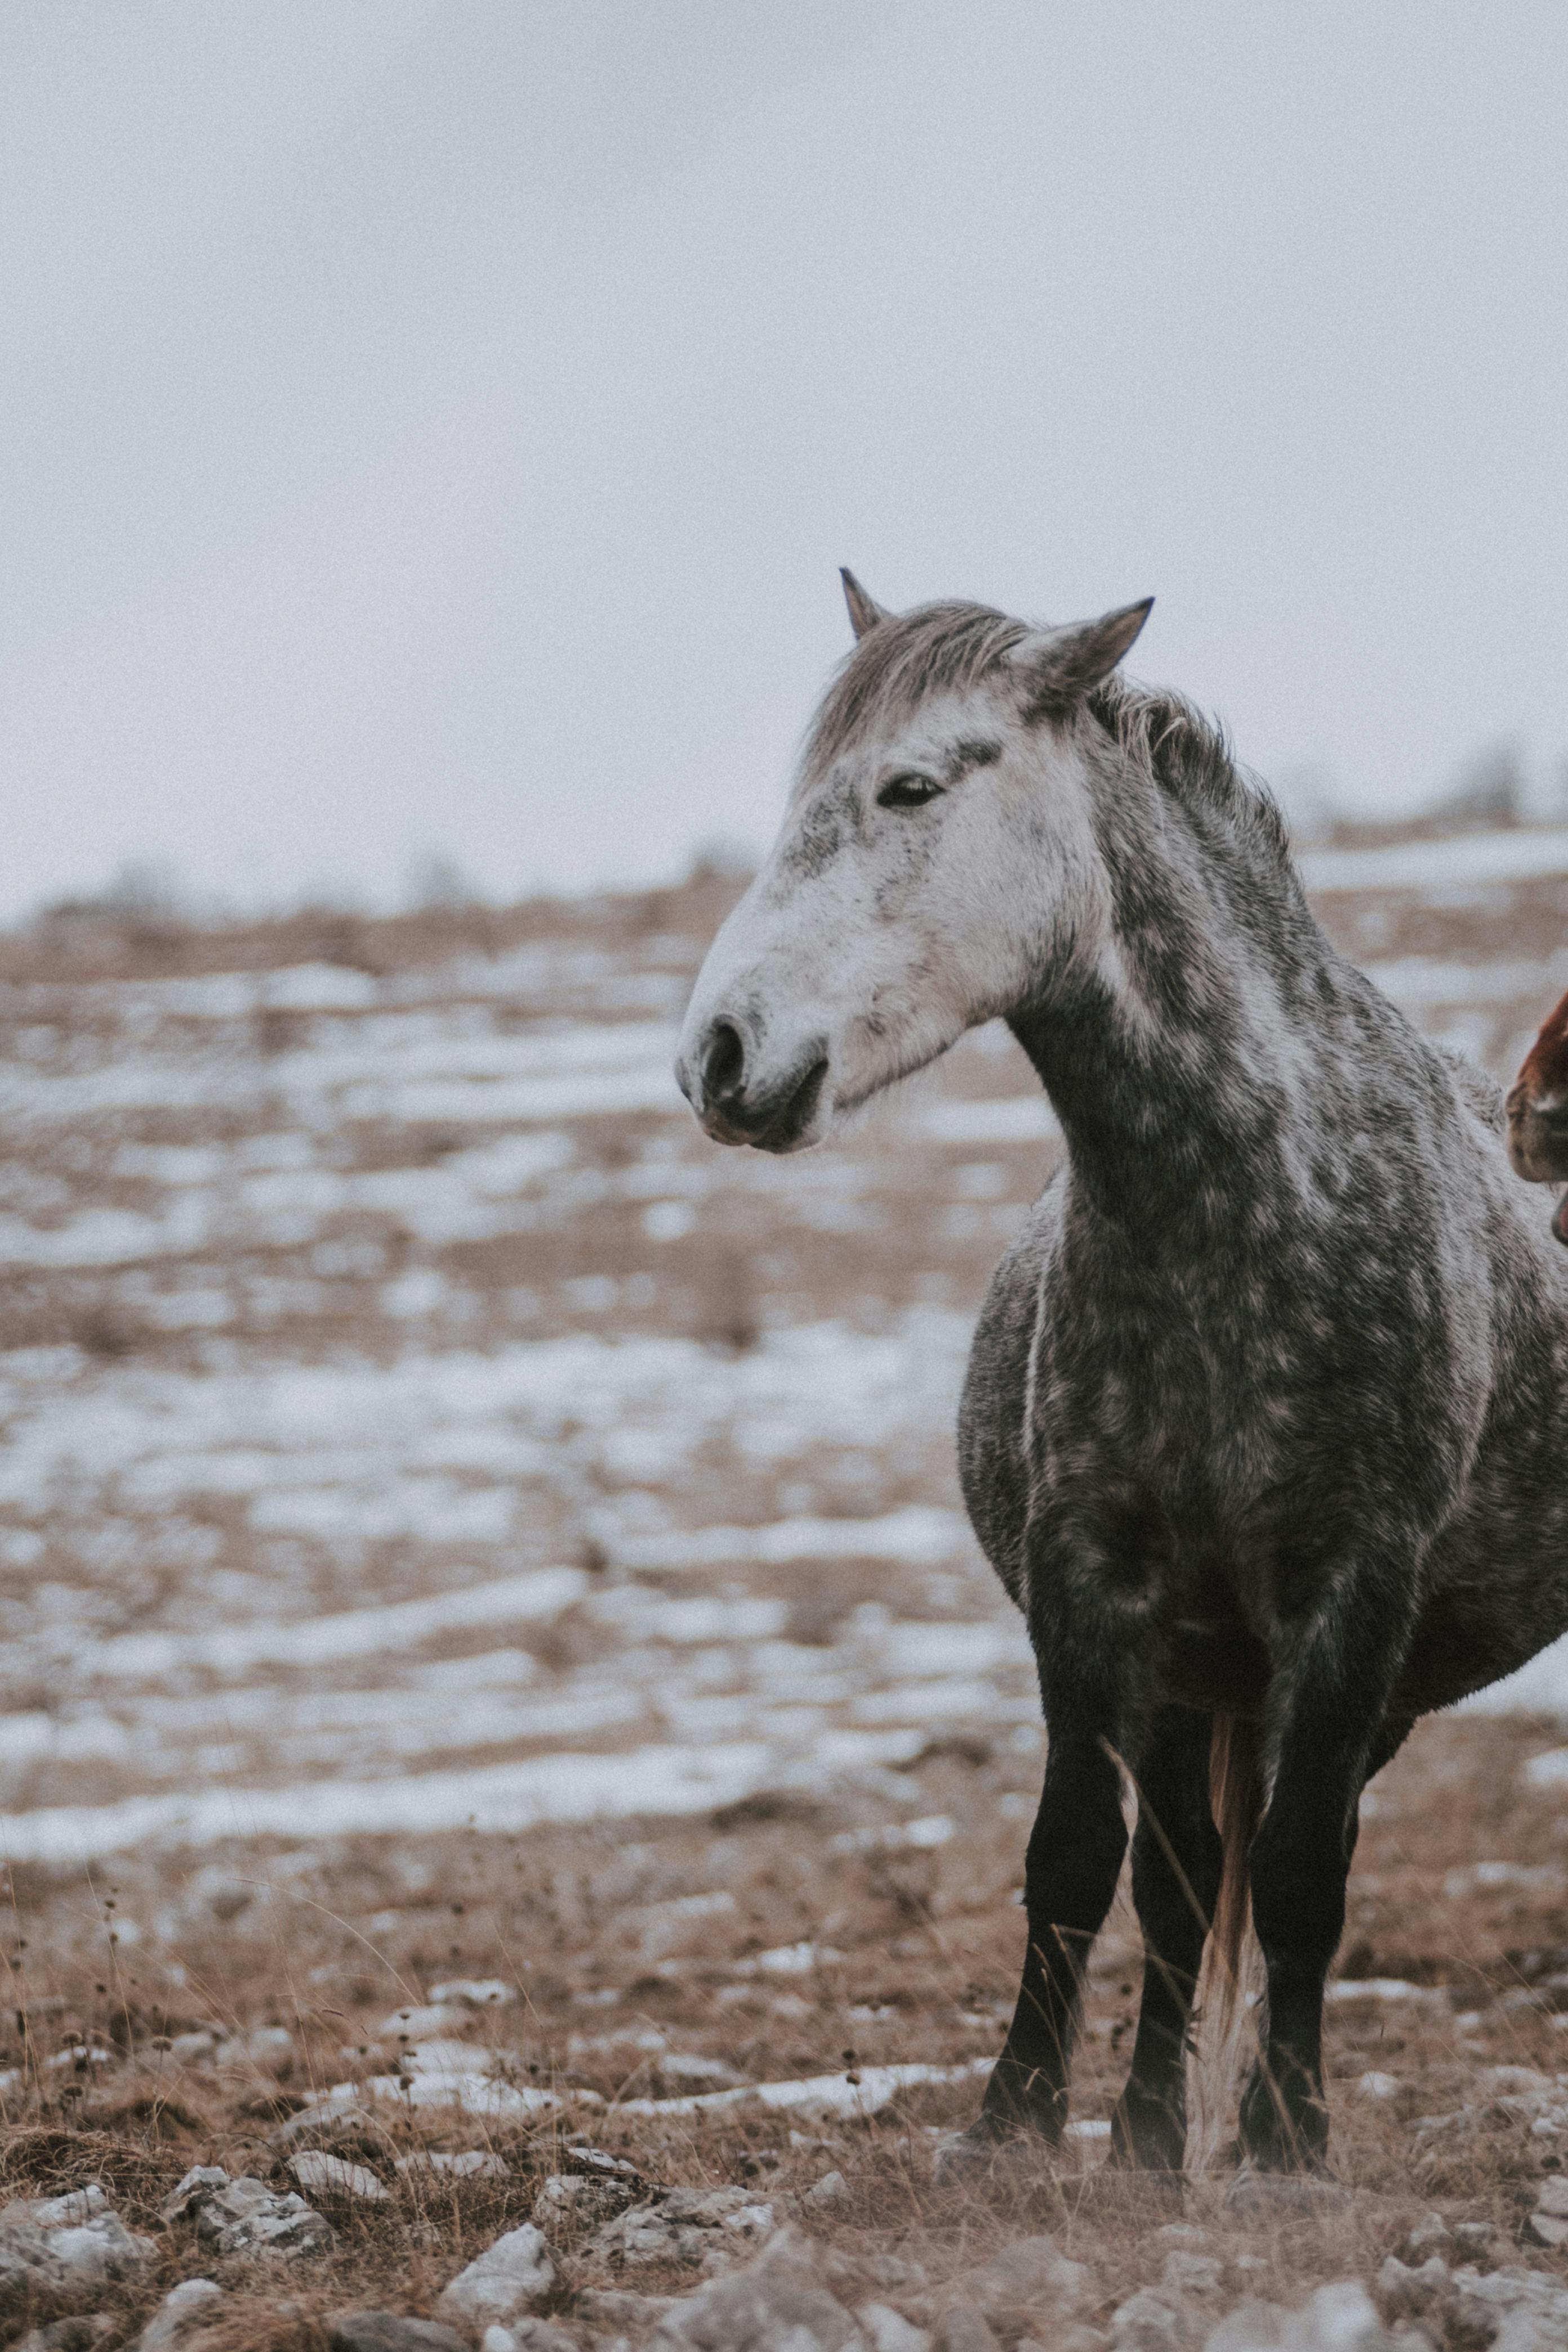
(598, 2159)
(506, 2280)
(887, 2330)
(320, 2174)
(1431, 2235)
(76, 2240)
(1342, 2317)
(84, 2332)
(1512, 2082)
(788, 1960)
(1253, 2327)
(324, 2123)
(244, 2216)
(1374, 2085)
(830, 2190)
(684, 2225)
(192, 2048)
(1406, 2291)
(202, 2181)
(67, 2212)
(270, 2048)
(528, 2336)
(1201, 2276)
(1146, 2322)
(1030, 2273)
(462, 2164)
(617, 2309)
(176, 2313)
(777, 2304)
(582, 2197)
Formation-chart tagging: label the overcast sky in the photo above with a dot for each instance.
(435, 427)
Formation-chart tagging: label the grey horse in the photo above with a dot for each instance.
(1266, 1424)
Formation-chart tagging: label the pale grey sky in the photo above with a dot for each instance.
(434, 424)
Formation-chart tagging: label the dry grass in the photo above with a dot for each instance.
(929, 1946)
(329, 1936)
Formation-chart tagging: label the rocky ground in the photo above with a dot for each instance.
(514, 1776)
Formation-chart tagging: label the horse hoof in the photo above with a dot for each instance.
(1285, 2192)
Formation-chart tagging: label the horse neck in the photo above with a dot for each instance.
(1174, 1042)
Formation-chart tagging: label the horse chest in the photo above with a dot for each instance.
(1198, 1411)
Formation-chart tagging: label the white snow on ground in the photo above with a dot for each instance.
(380, 1067)
(460, 1423)
(919, 1533)
(200, 1641)
(501, 1797)
(1478, 858)
(1419, 983)
(1014, 1119)
(351, 1633)
(818, 2097)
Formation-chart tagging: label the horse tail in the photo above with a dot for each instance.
(1236, 1795)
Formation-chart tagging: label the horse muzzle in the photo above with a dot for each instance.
(739, 1099)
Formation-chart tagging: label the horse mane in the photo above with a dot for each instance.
(1188, 755)
(900, 664)
(950, 648)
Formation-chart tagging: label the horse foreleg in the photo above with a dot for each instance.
(1176, 1862)
(1070, 1872)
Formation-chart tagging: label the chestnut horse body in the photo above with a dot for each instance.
(1266, 1424)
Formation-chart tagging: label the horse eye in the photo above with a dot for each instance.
(907, 792)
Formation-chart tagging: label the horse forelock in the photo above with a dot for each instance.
(903, 662)
(909, 659)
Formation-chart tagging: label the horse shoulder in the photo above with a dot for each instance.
(993, 1414)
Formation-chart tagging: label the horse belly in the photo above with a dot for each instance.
(993, 1440)
(1217, 1663)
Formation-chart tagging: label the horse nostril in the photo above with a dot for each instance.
(725, 1063)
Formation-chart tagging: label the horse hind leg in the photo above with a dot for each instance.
(1285, 2122)
(1331, 1737)
(1177, 1862)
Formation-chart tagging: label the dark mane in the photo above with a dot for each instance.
(1188, 756)
(948, 648)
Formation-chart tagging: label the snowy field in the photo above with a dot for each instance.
(412, 1421)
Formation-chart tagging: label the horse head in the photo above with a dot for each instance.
(936, 850)
(1538, 1111)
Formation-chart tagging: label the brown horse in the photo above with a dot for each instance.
(1538, 1112)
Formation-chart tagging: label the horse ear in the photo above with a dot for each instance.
(864, 611)
(1061, 665)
